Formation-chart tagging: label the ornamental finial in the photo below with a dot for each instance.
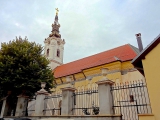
(57, 11)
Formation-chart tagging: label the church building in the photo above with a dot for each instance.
(83, 73)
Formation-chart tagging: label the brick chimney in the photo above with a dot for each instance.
(139, 41)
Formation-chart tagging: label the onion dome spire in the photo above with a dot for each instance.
(55, 26)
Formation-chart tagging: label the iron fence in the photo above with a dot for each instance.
(86, 102)
(130, 99)
(52, 105)
(31, 106)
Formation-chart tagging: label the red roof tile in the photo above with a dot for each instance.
(122, 53)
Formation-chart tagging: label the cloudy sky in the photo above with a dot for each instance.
(88, 26)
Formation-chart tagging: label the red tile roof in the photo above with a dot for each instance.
(122, 53)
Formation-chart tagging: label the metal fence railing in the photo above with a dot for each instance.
(31, 106)
(86, 102)
(130, 99)
(52, 105)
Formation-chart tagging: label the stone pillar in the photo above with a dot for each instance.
(40, 102)
(22, 103)
(67, 100)
(105, 97)
(4, 107)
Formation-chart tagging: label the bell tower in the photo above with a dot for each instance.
(54, 45)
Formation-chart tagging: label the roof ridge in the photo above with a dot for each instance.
(97, 53)
(135, 49)
(120, 53)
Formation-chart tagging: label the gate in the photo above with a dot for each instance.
(130, 99)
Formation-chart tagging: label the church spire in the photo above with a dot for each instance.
(54, 45)
(55, 27)
(56, 17)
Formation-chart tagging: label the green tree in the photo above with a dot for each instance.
(23, 68)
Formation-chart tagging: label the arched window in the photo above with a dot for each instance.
(58, 53)
(47, 52)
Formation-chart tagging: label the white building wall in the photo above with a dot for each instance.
(53, 44)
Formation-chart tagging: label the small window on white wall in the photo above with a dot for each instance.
(58, 53)
(47, 52)
(58, 42)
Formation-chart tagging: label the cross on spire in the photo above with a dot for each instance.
(55, 26)
(57, 11)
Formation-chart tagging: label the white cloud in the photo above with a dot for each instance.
(19, 25)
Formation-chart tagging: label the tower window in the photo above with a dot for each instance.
(58, 42)
(47, 52)
(58, 53)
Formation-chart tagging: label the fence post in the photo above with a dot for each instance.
(67, 100)
(105, 97)
(40, 102)
(21, 105)
(4, 107)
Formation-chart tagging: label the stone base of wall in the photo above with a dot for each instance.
(72, 117)
(146, 117)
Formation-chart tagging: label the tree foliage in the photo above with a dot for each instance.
(23, 67)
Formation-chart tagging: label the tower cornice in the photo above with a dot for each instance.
(62, 41)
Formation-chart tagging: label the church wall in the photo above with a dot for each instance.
(79, 76)
(127, 65)
(52, 49)
(54, 65)
(59, 59)
(62, 51)
(132, 76)
(118, 72)
(58, 81)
